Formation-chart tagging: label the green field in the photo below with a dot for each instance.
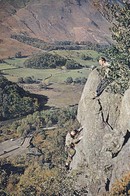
(58, 75)
(18, 62)
(12, 63)
(77, 56)
(15, 67)
(69, 54)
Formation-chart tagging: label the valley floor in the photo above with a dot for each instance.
(59, 95)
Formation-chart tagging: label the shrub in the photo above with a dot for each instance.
(69, 80)
(80, 80)
(83, 80)
(86, 57)
(28, 80)
(20, 80)
(71, 64)
(122, 186)
(18, 55)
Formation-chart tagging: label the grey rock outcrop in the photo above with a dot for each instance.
(105, 144)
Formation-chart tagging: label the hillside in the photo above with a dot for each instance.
(16, 102)
(50, 21)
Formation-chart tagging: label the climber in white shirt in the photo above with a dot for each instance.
(72, 139)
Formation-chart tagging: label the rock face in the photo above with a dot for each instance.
(104, 151)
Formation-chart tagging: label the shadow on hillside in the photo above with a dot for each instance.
(42, 100)
(47, 88)
(10, 169)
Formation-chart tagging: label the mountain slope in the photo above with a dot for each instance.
(52, 20)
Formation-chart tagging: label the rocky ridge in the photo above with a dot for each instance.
(104, 152)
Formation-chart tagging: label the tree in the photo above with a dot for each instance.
(71, 64)
(86, 57)
(121, 32)
(119, 54)
(69, 80)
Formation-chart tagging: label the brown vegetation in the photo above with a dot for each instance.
(122, 186)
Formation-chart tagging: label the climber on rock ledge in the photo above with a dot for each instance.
(72, 139)
(105, 80)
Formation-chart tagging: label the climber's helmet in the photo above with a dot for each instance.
(73, 133)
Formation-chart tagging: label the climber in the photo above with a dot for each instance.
(105, 81)
(72, 138)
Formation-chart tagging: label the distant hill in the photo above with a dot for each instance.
(50, 21)
(16, 102)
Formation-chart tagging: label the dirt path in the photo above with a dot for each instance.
(13, 148)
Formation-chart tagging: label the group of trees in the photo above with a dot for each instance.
(38, 120)
(48, 61)
(71, 64)
(119, 54)
(45, 61)
(35, 42)
(15, 102)
(28, 80)
(120, 16)
(59, 45)
(40, 172)
(79, 80)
